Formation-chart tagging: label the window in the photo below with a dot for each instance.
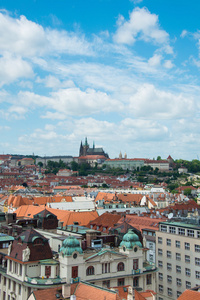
(160, 251)
(120, 282)
(198, 234)
(188, 284)
(4, 281)
(20, 270)
(159, 240)
(197, 248)
(106, 283)
(178, 281)
(169, 292)
(106, 268)
(172, 229)
(10, 266)
(169, 266)
(169, 279)
(47, 271)
(74, 271)
(187, 272)
(178, 294)
(135, 264)
(178, 244)
(163, 228)
(187, 258)
(136, 281)
(187, 246)
(178, 269)
(160, 263)
(148, 279)
(169, 254)
(160, 276)
(197, 261)
(178, 256)
(19, 289)
(197, 273)
(90, 271)
(151, 257)
(181, 231)
(168, 242)
(120, 267)
(190, 232)
(160, 288)
(150, 246)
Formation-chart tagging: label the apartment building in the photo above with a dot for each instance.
(178, 257)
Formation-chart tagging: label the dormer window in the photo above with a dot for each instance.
(38, 241)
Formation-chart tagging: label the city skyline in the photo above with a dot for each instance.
(122, 73)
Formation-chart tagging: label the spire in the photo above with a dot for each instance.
(86, 143)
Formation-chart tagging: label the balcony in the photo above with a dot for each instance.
(44, 281)
(149, 266)
(135, 272)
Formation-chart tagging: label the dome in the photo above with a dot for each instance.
(70, 245)
(130, 239)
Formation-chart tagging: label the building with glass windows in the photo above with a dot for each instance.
(178, 257)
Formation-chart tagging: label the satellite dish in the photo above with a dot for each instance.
(170, 216)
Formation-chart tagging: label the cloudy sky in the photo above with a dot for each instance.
(123, 73)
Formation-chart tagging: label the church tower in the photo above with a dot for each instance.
(81, 149)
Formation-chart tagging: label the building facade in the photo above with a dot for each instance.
(178, 257)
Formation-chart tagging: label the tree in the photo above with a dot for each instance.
(104, 185)
(159, 157)
(187, 191)
(40, 164)
(74, 166)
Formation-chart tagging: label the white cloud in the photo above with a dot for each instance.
(71, 101)
(26, 38)
(53, 82)
(184, 33)
(155, 60)
(168, 64)
(149, 102)
(141, 25)
(13, 68)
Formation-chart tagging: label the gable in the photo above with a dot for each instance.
(106, 256)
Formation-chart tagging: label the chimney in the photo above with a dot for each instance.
(66, 290)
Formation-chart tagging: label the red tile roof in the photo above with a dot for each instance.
(188, 294)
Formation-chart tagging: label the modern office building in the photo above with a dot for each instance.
(178, 257)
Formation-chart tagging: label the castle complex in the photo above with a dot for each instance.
(86, 150)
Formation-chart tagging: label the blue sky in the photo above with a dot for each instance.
(123, 73)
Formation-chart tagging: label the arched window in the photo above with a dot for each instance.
(90, 271)
(120, 266)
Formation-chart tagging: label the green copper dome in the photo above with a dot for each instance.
(70, 245)
(131, 239)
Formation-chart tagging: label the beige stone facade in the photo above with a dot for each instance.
(178, 258)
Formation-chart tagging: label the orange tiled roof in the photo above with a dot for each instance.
(65, 216)
(93, 292)
(122, 291)
(105, 196)
(106, 220)
(138, 296)
(49, 294)
(188, 294)
(140, 222)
